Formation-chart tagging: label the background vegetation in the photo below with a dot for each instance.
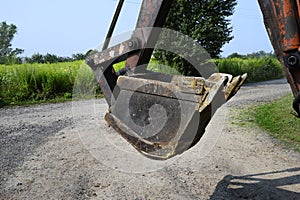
(45, 77)
(206, 22)
(41, 82)
(258, 69)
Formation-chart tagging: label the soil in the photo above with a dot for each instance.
(66, 151)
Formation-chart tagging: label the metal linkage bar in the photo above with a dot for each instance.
(113, 24)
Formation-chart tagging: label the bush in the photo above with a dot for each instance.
(258, 69)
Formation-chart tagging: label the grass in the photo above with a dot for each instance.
(276, 119)
(258, 69)
(154, 66)
(28, 83)
(35, 83)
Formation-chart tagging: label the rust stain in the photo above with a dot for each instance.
(287, 24)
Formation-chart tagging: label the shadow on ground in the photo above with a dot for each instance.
(269, 185)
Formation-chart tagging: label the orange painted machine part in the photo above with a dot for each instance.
(288, 22)
(298, 6)
(282, 18)
(287, 14)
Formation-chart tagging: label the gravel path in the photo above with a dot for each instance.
(65, 151)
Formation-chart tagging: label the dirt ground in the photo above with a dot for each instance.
(66, 151)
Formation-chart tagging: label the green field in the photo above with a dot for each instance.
(25, 83)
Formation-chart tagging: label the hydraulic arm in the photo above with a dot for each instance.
(281, 18)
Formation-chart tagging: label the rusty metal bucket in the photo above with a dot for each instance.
(163, 115)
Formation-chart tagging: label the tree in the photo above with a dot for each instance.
(259, 54)
(90, 52)
(78, 56)
(36, 58)
(236, 55)
(51, 58)
(8, 55)
(205, 21)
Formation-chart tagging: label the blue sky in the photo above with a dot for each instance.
(64, 27)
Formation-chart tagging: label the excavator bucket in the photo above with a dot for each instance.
(166, 115)
(160, 115)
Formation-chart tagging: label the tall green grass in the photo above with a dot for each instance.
(31, 82)
(258, 69)
(154, 66)
(38, 82)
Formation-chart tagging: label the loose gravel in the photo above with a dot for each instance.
(66, 151)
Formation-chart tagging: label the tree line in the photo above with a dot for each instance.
(51, 58)
(207, 22)
(10, 56)
(259, 54)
